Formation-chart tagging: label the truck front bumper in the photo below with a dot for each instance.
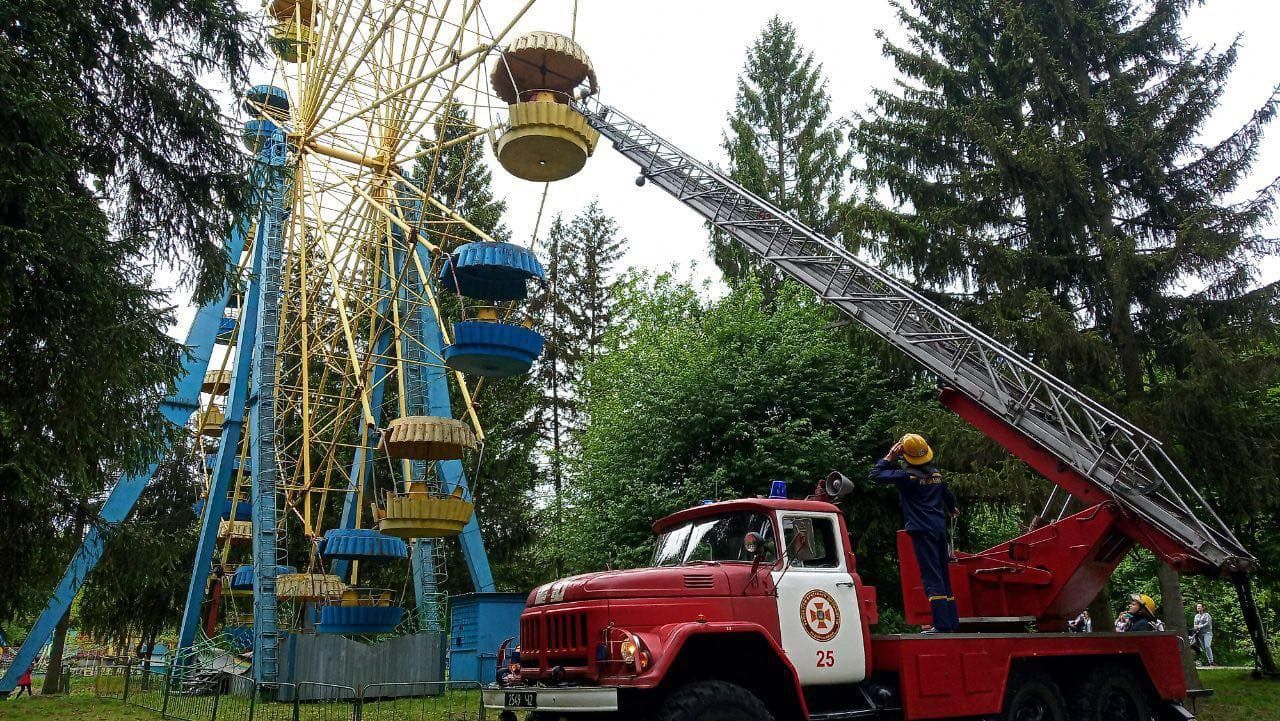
(568, 699)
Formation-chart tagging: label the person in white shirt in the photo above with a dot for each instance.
(1082, 623)
(1202, 631)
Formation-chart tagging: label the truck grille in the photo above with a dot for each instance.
(530, 635)
(566, 632)
(550, 639)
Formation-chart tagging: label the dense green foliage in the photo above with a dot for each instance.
(139, 587)
(112, 155)
(1047, 175)
(783, 144)
(573, 316)
(697, 400)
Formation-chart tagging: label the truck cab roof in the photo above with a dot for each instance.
(761, 504)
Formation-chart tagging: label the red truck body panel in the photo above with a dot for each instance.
(1047, 575)
(1066, 478)
(566, 627)
(965, 674)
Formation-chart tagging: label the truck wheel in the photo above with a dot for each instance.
(713, 701)
(1111, 693)
(1034, 697)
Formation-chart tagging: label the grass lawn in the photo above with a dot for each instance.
(82, 705)
(1237, 697)
(75, 707)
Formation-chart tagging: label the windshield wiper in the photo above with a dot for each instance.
(702, 561)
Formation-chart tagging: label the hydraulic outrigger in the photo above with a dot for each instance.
(1078, 444)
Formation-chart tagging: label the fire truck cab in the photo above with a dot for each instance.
(753, 609)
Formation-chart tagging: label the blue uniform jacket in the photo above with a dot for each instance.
(926, 500)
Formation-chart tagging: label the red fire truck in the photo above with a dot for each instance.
(753, 609)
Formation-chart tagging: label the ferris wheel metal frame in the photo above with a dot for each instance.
(375, 82)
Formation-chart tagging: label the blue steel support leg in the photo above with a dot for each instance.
(262, 423)
(426, 578)
(177, 409)
(228, 452)
(451, 473)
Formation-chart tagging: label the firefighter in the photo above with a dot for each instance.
(927, 503)
(1141, 615)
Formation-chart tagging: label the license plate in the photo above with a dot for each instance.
(522, 699)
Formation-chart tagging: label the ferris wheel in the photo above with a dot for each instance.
(322, 387)
(368, 313)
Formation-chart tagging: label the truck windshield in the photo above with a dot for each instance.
(718, 539)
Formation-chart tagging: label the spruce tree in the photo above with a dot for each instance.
(113, 157)
(139, 586)
(783, 144)
(1045, 164)
(574, 316)
(595, 248)
(579, 308)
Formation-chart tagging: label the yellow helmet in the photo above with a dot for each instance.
(916, 450)
(1146, 601)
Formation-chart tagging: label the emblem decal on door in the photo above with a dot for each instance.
(820, 615)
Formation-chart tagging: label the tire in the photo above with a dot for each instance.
(1111, 693)
(1034, 697)
(713, 701)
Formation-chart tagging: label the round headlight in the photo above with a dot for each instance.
(628, 649)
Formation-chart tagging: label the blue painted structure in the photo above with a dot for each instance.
(362, 544)
(436, 379)
(262, 417)
(493, 350)
(478, 625)
(274, 101)
(492, 271)
(241, 636)
(426, 577)
(244, 511)
(257, 132)
(359, 619)
(242, 579)
(265, 174)
(226, 327)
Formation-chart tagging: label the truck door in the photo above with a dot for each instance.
(818, 607)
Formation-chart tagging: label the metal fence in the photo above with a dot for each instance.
(41, 671)
(176, 695)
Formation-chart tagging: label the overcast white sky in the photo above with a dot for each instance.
(673, 64)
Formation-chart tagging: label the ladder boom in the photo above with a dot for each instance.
(1114, 456)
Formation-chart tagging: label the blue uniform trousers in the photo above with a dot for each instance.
(933, 557)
